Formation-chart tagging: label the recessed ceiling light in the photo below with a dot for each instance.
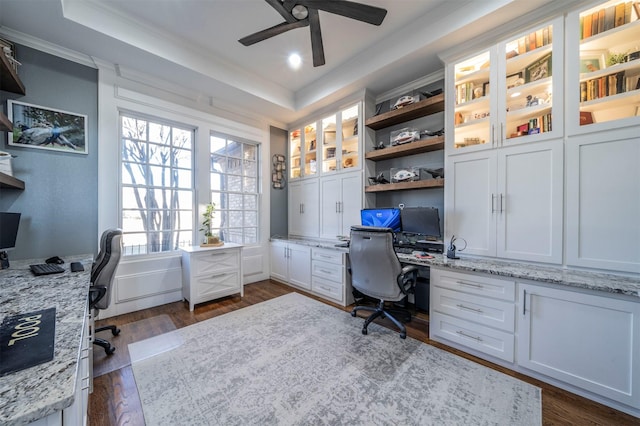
(295, 61)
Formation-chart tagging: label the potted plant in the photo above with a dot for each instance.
(208, 215)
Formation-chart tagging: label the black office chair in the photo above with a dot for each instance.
(102, 273)
(376, 272)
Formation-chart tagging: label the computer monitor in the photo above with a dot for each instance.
(382, 217)
(422, 221)
(8, 233)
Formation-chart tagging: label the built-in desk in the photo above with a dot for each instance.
(48, 393)
(575, 329)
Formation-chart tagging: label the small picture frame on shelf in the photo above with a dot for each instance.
(591, 61)
(485, 89)
(539, 69)
(514, 80)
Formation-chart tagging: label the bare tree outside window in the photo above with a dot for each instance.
(157, 186)
(235, 188)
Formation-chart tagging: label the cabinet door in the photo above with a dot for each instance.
(300, 266)
(603, 90)
(471, 201)
(589, 341)
(351, 202)
(603, 201)
(529, 202)
(304, 208)
(330, 198)
(279, 256)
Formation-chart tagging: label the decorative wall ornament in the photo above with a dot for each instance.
(278, 176)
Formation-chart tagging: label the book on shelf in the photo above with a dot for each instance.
(636, 6)
(586, 118)
(601, 87)
(586, 26)
(609, 18)
(619, 14)
(600, 20)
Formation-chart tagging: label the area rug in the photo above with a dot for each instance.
(129, 333)
(296, 361)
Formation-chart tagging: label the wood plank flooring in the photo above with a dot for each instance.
(115, 400)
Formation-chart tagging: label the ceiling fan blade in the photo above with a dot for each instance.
(273, 31)
(286, 14)
(316, 38)
(358, 11)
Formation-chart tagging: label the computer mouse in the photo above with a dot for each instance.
(54, 259)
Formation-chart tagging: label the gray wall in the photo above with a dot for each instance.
(279, 216)
(59, 203)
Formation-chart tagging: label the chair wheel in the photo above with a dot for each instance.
(364, 331)
(110, 350)
(115, 332)
(403, 335)
(353, 314)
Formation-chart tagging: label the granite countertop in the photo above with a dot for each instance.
(39, 391)
(599, 281)
(590, 280)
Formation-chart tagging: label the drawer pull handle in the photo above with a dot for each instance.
(463, 334)
(325, 271)
(467, 308)
(470, 284)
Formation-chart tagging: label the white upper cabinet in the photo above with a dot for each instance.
(603, 71)
(508, 94)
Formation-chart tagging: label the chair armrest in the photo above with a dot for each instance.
(407, 279)
(96, 293)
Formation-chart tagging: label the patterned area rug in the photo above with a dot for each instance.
(293, 360)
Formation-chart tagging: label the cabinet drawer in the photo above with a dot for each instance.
(327, 288)
(474, 284)
(327, 271)
(485, 311)
(487, 340)
(324, 255)
(214, 261)
(221, 284)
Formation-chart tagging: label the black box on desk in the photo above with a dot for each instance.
(422, 294)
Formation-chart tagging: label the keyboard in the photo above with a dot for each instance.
(404, 250)
(46, 269)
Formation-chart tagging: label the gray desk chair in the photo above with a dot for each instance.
(102, 273)
(376, 272)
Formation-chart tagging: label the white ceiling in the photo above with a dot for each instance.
(194, 43)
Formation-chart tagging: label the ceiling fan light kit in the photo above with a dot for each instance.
(302, 13)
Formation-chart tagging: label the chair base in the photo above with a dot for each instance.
(104, 343)
(380, 312)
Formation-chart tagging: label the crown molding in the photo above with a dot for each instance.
(46, 47)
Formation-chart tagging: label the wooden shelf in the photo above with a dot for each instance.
(9, 80)
(422, 108)
(7, 181)
(5, 124)
(416, 184)
(417, 147)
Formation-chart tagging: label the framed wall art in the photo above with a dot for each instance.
(47, 128)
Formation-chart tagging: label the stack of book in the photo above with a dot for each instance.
(604, 86)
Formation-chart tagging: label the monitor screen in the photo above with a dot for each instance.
(8, 229)
(382, 217)
(424, 221)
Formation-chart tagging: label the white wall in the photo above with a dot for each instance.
(155, 279)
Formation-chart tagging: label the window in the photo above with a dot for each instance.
(156, 185)
(234, 188)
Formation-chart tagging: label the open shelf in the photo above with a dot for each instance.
(422, 108)
(7, 181)
(5, 124)
(9, 80)
(416, 184)
(416, 147)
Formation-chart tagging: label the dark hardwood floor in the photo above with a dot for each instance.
(115, 400)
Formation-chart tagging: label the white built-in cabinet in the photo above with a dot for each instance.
(586, 340)
(325, 174)
(340, 203)
(291, 263)
(507, 202)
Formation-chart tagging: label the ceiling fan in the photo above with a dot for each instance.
(302, 13)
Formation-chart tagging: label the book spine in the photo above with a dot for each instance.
(619, 14)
